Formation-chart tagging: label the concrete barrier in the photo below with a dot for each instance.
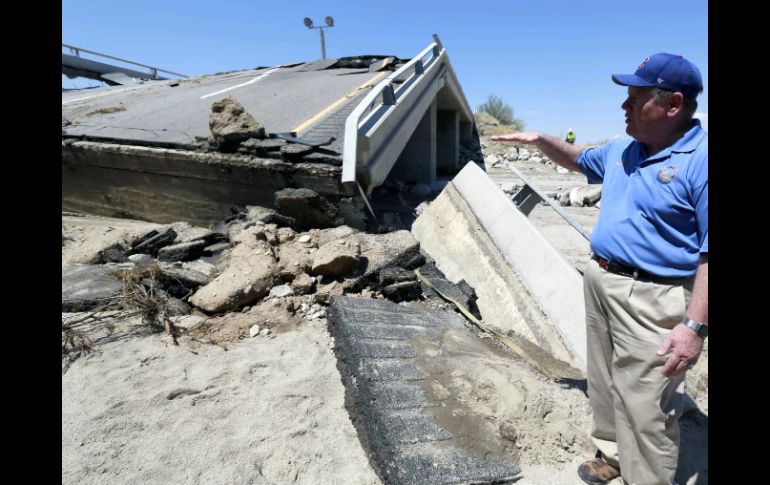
(475, 233)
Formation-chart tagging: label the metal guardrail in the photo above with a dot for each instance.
(380, 102)
(530, 195)
(153, 70)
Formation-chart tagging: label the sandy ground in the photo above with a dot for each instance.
(267, 410)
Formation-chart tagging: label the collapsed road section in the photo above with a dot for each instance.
(189, 149)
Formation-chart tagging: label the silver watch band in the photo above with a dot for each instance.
(700, 328)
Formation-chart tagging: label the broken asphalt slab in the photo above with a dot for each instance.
(379, 345)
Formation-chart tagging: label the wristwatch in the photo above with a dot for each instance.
(701, 329)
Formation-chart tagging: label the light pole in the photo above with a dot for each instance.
(329, 23)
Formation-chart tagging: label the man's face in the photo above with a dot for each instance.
(643, 114)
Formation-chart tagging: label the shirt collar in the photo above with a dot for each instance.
(687, 143)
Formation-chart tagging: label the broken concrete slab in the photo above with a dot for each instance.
(380, 346)
(151, 242)
(379, 251)
(186, 251)
(252, 270)
(337, 258)
(524, 285)
(85, 286)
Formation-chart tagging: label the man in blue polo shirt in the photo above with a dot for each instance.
(646, 287)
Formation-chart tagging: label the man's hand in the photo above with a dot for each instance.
(685, 346)
(529, 137)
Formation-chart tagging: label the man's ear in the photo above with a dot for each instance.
(675, 103)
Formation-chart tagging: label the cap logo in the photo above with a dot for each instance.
(645, 61)
(660, 80)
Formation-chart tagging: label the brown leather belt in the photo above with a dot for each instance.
(635, 273)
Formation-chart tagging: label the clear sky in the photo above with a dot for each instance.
(551, 60)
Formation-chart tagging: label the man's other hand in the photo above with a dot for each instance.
(685, 346)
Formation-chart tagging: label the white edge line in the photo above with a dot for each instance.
(104, 94)
(240, 85)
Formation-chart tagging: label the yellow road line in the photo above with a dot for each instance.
(326, 110)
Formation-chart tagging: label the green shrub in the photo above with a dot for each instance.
(501, 110)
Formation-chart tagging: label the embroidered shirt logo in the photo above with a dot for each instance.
(667, 174)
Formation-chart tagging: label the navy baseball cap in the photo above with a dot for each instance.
(665, 71)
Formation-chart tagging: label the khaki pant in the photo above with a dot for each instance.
(636, 410)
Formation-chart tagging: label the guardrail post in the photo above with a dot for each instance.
(419, 68)
(388, 96)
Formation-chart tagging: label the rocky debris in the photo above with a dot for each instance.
(186, 232)
(186, 251)
(215, 248)
(324, 292)
(584, 196)
(285, 234)
(461, 292)
(511, 154)
(295, 151)
(395, 274)
(510, 188)
(141, 259)
(302, 284)
(151, 242)
(403, 291)
(380, 251)
(307, 208)
(250, 216)
(281, 291)
(257, 261)
(113, 255)
(337, 258)
(230, 124)
(187, 322)
(85, 286)
(491, 160)
(351, 210)
(271, 315)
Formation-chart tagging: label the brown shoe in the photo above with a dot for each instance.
(597, 471)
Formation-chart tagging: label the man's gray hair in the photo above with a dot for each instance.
(662, 96)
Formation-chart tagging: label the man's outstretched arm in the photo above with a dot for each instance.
(561, 152)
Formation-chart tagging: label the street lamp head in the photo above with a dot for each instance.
(308, 22)
(330, 21)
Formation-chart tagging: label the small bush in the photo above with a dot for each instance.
(501, 110)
